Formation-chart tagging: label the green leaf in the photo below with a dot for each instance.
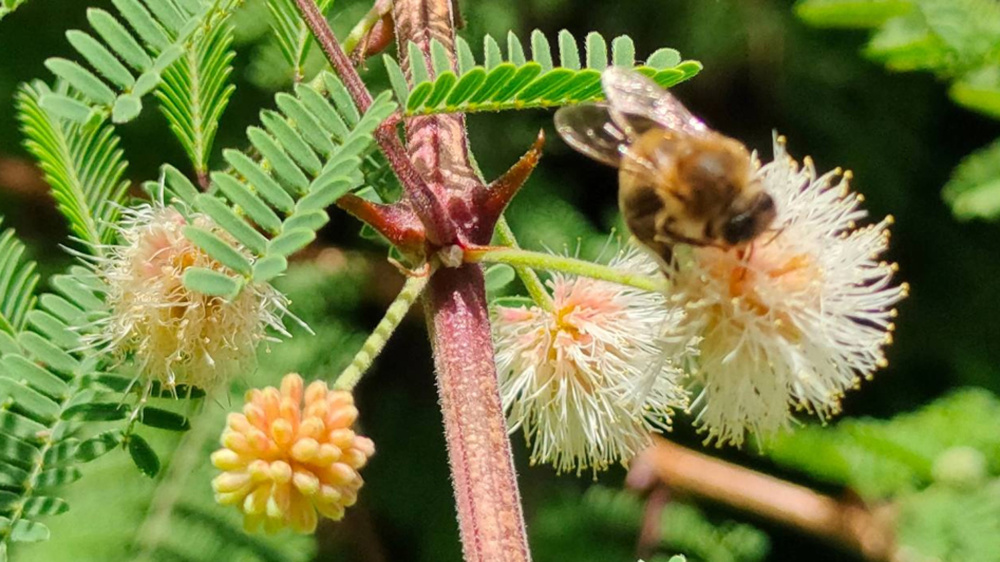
(28, 372)
(974, 188)
(499, 276)
(15, 449)
(48, 353)
(25, 531)
(163, 28)
(540, 50)
(521, 84)
(101, 58)
(84, 167)
(597, 51)
(292, 34)
(569, 52)
(268, 268)
(211, 282)
(82, 80)
(8, 6)
(254, 207)
(397, 79)
(218, 248)
(442, 87)
(466, 86)
(623, 51)
(979, 91)
(98, 445)
(291, 241)
(40, 407)
(195, 90)
(58, 477)
(17, 283)
(143, 455)
(163, 419)
(260, 180)
(231, 223)
(96, 411)
(21, 426)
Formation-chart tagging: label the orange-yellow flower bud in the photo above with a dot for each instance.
(291, 454)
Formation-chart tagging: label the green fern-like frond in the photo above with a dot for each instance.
(519, 82)
(40, 381)
(52, 390)
(83, 165)
(292, 34)
(8, 6)
(195, 89)
(125, 65)
(881, 458)
(17, 283)
(309, 156)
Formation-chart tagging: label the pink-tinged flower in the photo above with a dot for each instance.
(169, 333)
(291, 456)
(798, 317)
(589, 380)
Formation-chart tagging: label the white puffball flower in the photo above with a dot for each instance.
(591, 379)
(796, 318)
(167, 332)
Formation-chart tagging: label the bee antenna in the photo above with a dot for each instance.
(775, 236)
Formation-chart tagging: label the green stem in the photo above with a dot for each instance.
(527, 275)
(380, 336)
(572, 266)
(361, 28)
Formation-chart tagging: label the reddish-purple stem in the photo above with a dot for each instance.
(455, 207)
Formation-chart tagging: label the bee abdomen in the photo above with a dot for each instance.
(641, 205)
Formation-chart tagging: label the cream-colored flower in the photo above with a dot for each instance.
(291, 454)
(796, 318)
(169, 333)
(589, 380)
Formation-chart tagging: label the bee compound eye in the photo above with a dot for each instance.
(739, 229)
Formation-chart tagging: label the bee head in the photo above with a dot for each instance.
(748, 218)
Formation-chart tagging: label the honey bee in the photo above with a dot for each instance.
(679, 181)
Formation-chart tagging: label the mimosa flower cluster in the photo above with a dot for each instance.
(590, 379)
(170, 333)
(789, 322)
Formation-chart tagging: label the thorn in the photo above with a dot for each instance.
(503, 189)
(397, 222)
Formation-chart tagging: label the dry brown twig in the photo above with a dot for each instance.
(847, 523)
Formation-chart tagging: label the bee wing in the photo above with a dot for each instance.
(638, 104)
(590, 129)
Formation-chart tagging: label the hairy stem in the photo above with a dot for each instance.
(362, 361)
(539, 260)
(486, 495)
(487, 499)
(527, 275)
